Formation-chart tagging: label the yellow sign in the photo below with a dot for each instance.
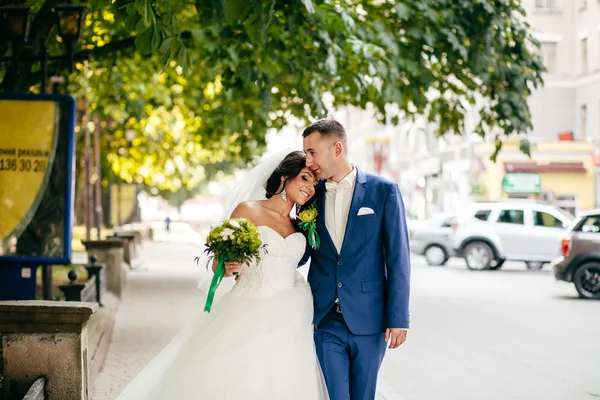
(123, 200)
(28, 136)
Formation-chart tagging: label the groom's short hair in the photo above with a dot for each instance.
(328, 128)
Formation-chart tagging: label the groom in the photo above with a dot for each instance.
(360, 275)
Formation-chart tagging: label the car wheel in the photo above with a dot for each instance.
(534, 265)
(436, 255)
(478, 256)
(587, 280)
(497, 264)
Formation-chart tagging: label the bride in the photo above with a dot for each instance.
(257, 342)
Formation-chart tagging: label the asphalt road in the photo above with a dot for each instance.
(507, 334)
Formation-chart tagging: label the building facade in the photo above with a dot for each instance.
(441, 174)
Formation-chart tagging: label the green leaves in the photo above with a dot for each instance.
(236, 10)
(207, 79)
(144, 8)
(525, 147)
(309, 6)
(149, 40)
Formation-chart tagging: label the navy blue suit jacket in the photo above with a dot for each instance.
(371, 274)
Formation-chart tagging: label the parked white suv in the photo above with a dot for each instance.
(489, 233)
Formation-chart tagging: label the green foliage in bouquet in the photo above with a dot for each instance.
(236, 240)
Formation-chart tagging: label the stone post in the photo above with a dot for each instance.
(110, 252)
(45, 338)
(130, 246)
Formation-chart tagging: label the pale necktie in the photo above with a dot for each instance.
(335, 187)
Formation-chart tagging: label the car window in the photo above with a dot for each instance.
(482, 214)
(436, 220)
(544, 219)
(591, 224)
(448, 222)
(511, 217)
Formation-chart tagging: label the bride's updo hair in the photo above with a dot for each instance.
(289, 168)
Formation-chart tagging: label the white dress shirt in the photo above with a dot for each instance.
(337, 206)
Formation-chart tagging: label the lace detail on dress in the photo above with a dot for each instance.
(277, 269)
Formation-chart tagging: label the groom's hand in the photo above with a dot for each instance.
(395, 337)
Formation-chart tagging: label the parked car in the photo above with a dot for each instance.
(580, 260)
(179, 232)
(432, 239)
(141, 227)
(489, 233)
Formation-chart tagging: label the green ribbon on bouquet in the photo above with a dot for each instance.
(216, 281)
(313, 237)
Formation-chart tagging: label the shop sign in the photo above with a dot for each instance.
(521, 183)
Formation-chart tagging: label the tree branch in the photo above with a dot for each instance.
(110, 48)
(124, 44)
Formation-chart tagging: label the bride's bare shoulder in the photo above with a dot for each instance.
(246, 209)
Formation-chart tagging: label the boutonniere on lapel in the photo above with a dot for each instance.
(308, 223)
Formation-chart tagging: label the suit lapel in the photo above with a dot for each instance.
(357, 199)
(321, 226)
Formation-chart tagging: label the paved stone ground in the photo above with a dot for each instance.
(159, 297)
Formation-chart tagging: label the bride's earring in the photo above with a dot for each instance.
(283, 195)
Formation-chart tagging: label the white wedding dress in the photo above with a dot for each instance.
(256, 343)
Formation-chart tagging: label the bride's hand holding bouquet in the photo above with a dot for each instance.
(233, 243)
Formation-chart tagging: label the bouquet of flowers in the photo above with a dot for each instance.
(308, 223)
(234, 240)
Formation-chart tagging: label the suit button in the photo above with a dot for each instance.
(339, 284)
(340, 263)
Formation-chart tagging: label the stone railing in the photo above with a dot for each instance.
(45, 339)
(110, 252)
(55, 349)
(89, 291)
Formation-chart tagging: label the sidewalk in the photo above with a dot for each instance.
(160, 294)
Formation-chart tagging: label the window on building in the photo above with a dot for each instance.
(431, 140)
(584, 55)
(583, 121)
(546, 3)
(549, 56)
(511, 217)
(547, 220)
(567, 202)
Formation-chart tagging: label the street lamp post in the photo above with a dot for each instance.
(15, 21)
(70, 19)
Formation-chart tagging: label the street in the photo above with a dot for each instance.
(508, 334)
